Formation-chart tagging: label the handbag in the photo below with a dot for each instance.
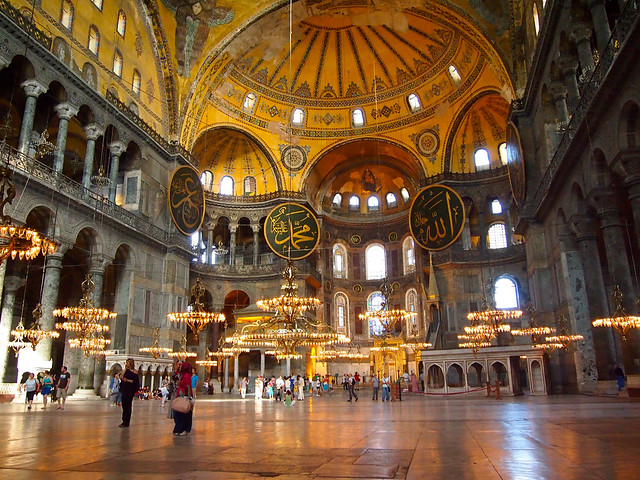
(181, 404)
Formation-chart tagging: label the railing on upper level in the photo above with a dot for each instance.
(45, 175)
(467, 176)
(253, 199)
(27, 25)
(588, 91)
(264, 270)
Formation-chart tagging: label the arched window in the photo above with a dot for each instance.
(66, 14)
(197, 246)
(226, 185)
(375, 302)
(250, 185)
(411, 306)
(373, 203)
(481, 159)
(505, 293)
(136, 82)
(297, 117)
(249, 102)
(354, 203)
(409, 255)
(455, 75)
(497, 236)
(97, 3)
(405, 194)
(496, 207)
(358, 117)
(392, 201)
(536, 18)
(375, 262)
(337, 200)
(414, 103)
(339, 261)
(342, 315)
(117, 63)
(206, 179)
(94, 40)
(121, 26)
(502, 153)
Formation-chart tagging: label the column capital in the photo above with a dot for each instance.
(255, 229)
(66, 110)
(558, 91)
(117, 148)
(584, 227)
(99, 264)
(93, 131)
(233, 227)
(33, 88)
(581, 33)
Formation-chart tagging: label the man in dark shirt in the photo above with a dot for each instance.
(129, 386)
(62, 387)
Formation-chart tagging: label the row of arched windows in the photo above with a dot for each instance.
(373, 201)
(227, 184)
(67, 15)
(375, 260)
(482, 159)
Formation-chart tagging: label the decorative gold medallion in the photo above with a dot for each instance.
(355, 239)
(357, 288)
(292, 231)
(436, 217)
(393, 236)
(515, 164)
(186, 199)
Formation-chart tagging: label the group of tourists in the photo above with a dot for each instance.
(47, 386)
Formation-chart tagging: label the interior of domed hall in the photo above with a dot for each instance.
(438, 199)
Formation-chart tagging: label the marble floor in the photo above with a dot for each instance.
(559, 437)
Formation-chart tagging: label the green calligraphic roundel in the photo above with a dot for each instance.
(292, 231)
(186, 199)
(436, 218)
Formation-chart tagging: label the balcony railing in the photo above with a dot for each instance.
(265, 270)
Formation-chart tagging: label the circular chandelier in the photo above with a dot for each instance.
(18, 241)
(155, 350)
(620, 320)
(387, 317)
(34, 334)
(85, 321)
(413, 343)
(182, 354)
(196, 317)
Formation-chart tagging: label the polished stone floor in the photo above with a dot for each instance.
(560, 437)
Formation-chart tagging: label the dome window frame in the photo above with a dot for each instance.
(358, 119)
(414, 103)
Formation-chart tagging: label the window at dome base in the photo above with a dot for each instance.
(455, 75)
(226, 185)
(497, 236)
(375, 262)
(391, 200)
(206, 179)
(405, 194)
(358, 117)
(414, 103)
(354, 203)
(502, 153)
(250, 186)
(337, 200)
(373, 203)
(297, 117)
(481, 159)
(496, 207)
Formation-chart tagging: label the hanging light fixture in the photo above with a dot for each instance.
(562, 339)
(413, 343)
(85, 321)
(18, 342)
(620, 320)
(34, 334)
(182, 354)
(155, 349)
(196, 317)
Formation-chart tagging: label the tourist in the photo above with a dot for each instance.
(259, 384)
(288, 399)
(356, 379)
(183, 421)
(129, 385)
(114, 388)
(376, 386)
(47, 385)
(619, 373)
(30, 386)
(194, 382)
(243, 387)
(345, 382)
(62, 387)
(414, 382)
(385, 389)
(279, 389)
(352, 386)
(300, 388)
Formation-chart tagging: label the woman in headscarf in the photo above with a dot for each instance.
(183, 387)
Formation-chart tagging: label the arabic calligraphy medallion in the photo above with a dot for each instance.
(292, 231)
(515, 164)
(436, 218)
(186, 199)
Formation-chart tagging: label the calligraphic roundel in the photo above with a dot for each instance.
(292, 231)
(515, 164)
(186, 199)
(436, 218)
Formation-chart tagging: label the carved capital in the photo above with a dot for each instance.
(33, 88)
(65, 110)
(93, 131)
(584, 227)
(117, 148)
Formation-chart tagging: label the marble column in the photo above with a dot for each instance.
(11, 286)
(232, 244)
(262, 362)
(559, 95)
(600, 24)
(569, 66)
(256, 244)
(507, 223)
(226, 375)
(124, 289)
(33, 90)
(606, 344)
(582, 39)
(65, 112)
(210, 247)
(93, 132)
(49, 300)
(236, 368)
(466, 234)
(288, 367)
(116, 149)
(482, 227)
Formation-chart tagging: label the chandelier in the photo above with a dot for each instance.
(413, 343)
(562, 339)
(182, 354)
(387, 317)
(85, 321)
(42, 145)
(220, 249)
(620, 320)
(207, 363)
(100, 180)
(289, 328)
(195, 316)
(34, 334)
(18, 241)
(155, 350)
(18, 343)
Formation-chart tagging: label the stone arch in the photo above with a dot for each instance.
(476, 375)
(600, 172)
(577, 204)
(435, 377)
(498, 371)
(455, 376)
(629, 126)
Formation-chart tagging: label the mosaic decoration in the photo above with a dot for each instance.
(355, 239)
(436, 217)
(385, 111)
(293, 157)
(427, 142)
(515, 164)
(328, 286)
(151, 91)
(357, 288)
(393, 236)
(186, 199)
(292, 231)
(138, 43)
(497, 132)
